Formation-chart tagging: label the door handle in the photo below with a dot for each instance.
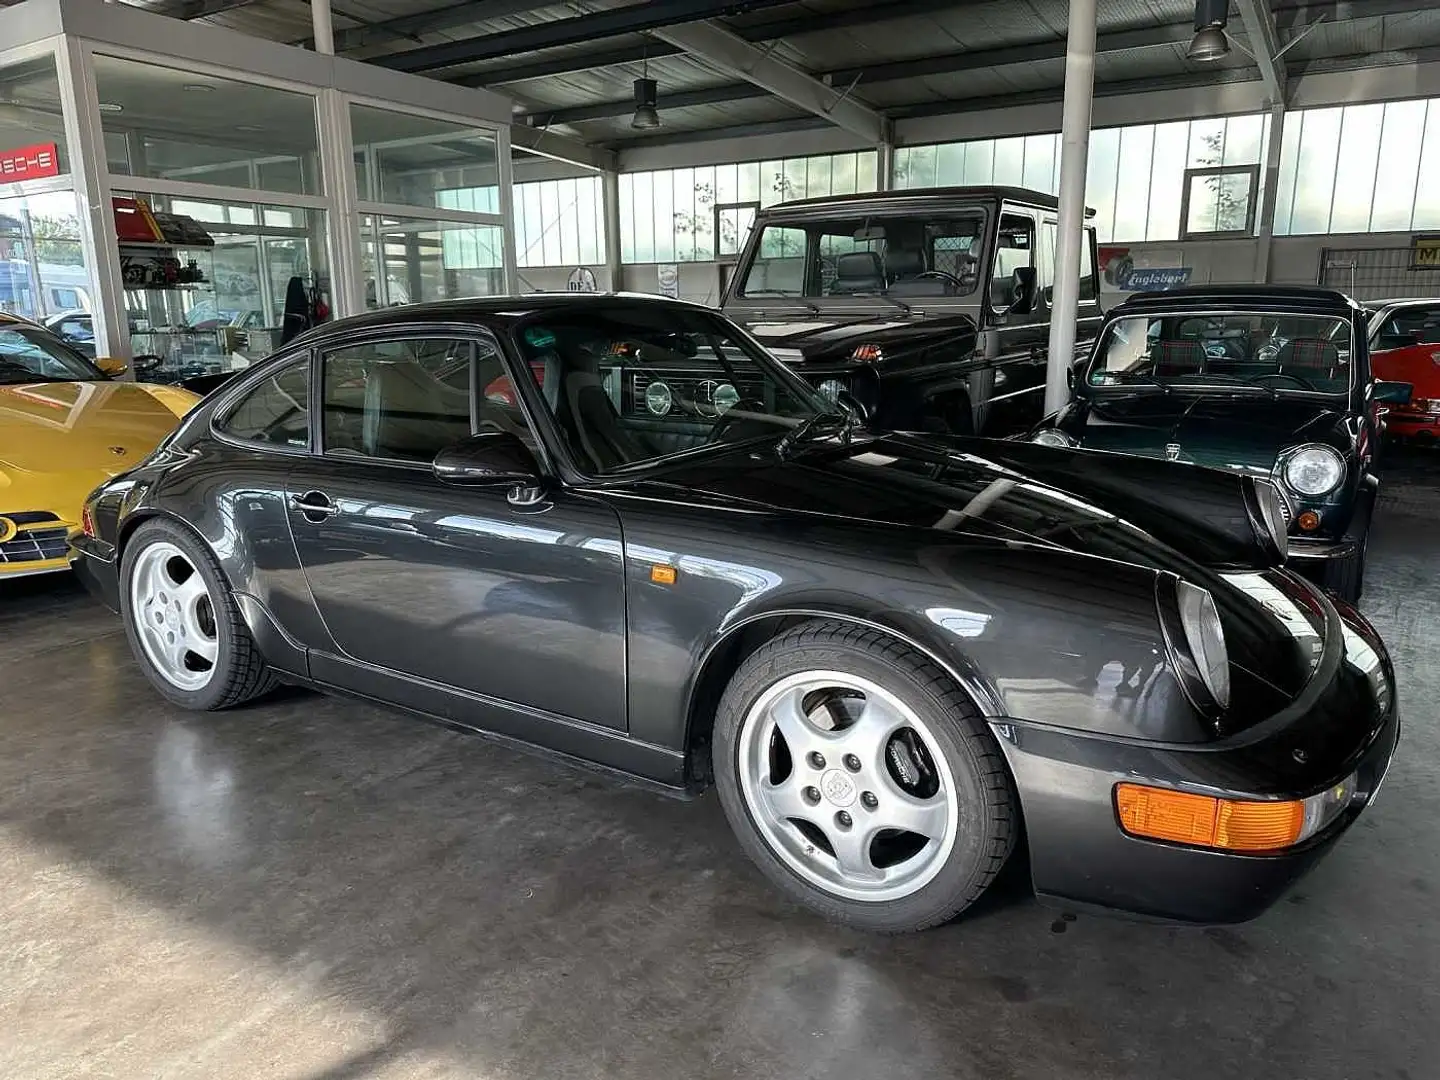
(315, 505)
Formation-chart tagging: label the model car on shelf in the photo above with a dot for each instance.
(885, 651)
(931, 307)
(64, 427)
(1405, 347)
(1271, 381)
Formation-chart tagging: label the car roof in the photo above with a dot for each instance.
(918, 198)
(11, 317)
(1297, 298)
(1402, 302)
(493, 311)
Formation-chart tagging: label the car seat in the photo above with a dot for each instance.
(587, 416)
(1312, 356)
(905, 267)
(858, 272)
(409, 414)
(1171, 358)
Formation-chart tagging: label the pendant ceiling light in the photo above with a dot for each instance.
(1210, 43)
(646, 91)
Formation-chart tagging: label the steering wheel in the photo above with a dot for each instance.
(942, 275)
(734, 416)
(1304, 384)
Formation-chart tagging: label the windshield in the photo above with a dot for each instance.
(636, 384)
(1268, 350)
(30, 354)
(898, 255)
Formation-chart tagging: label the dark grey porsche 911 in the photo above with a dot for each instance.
(615, 528)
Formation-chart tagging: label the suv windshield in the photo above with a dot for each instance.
(897, 255)
(30, 354)
(1269, 350)
(637, 384)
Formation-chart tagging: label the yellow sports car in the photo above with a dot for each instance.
(64, 428)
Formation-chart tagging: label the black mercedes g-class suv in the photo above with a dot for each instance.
(930, 307)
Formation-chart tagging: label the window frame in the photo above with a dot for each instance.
(1188, 183)
(1040, 311)
(234, 395)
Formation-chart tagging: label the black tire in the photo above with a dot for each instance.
(240, 672)
(987, 804)
(1346, 577)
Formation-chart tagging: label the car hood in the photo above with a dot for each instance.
(1419, 365)
(68, 427)
(830, 337)
(1221, 431)
(946, 485)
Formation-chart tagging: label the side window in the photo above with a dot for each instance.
(400, 400)
(1014, 248)
(277, 411)
(1089, 287)
(1045, 266)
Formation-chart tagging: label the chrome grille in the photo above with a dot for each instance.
(36, 540)
(1285, 511)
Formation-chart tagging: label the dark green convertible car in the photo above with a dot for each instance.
(1269, 380)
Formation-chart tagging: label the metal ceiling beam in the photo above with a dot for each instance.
(736, 56)
(555, 145)
(950, 64)
(544, 69)
(197, 9)
(633, 19)
(429, 22)
(1298, 14)
(1259, 24)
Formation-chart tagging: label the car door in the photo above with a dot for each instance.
(1016, 398)
(456, 586)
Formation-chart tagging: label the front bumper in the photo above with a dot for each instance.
(1080, 857)
(1412, 425)
(95, 565)
(1314, 551)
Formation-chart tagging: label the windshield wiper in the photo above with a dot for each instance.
(888, 299)
(820, 426)
(786, 296)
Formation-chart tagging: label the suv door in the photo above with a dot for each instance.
(1014, 398)
(456, 586)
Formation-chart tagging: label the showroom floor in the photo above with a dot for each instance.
(314, 889)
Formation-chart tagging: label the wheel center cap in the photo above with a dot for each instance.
(838, 788)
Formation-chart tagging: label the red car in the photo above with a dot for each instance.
(1405, 347)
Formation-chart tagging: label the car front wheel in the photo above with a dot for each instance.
(182, 622)
(861, 780)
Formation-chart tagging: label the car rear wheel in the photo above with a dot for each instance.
(183, 624)
(861, 780)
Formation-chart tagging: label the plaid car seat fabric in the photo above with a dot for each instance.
(1308, 354)
(1177, 357)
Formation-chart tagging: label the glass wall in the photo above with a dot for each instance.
(168, 124)
(1360, 168)
(30, 120)
(704, 213)
(42, 265)
(560, 223)
(1136, 176)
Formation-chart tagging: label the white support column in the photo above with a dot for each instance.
(1270, 182)
(1074, 153)
(610, 202)
(337, 168)
(90, 174)
(509, 259)
(323, 27)
(885, 166)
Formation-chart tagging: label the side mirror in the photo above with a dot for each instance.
(853, 405)
(491, 459)
(112, 366)
(1392, 393)
(146, 362)
(1022, 290)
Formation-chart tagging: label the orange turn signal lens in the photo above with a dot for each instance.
(662, 575)
(868, 354)
(1308, 521)
(1231, 824)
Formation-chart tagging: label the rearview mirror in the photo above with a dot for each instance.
(113, 366)
(1022, 290)
(491, 459)
(1392, 393)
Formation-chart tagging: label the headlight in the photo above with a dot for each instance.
(832, 389)
(1195, 641)
(1052, 437)
(1270, 510)
(657, 398)
(1314, 470)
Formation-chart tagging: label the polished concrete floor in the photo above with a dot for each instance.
(314, 889)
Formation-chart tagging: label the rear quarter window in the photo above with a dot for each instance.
(274, 412)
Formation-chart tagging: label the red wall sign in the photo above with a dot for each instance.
(29, 162)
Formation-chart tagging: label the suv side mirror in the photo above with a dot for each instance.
(491, 459)
(1022, 290)
(1392, 393)
(112, 366)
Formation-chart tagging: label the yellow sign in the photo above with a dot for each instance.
(1425, 253)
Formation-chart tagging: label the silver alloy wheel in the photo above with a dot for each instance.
(174, 616)
(823, 757)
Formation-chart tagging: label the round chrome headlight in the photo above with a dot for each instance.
(831, 389)
(658, 398)
(1052, 437)
(1314, 470)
